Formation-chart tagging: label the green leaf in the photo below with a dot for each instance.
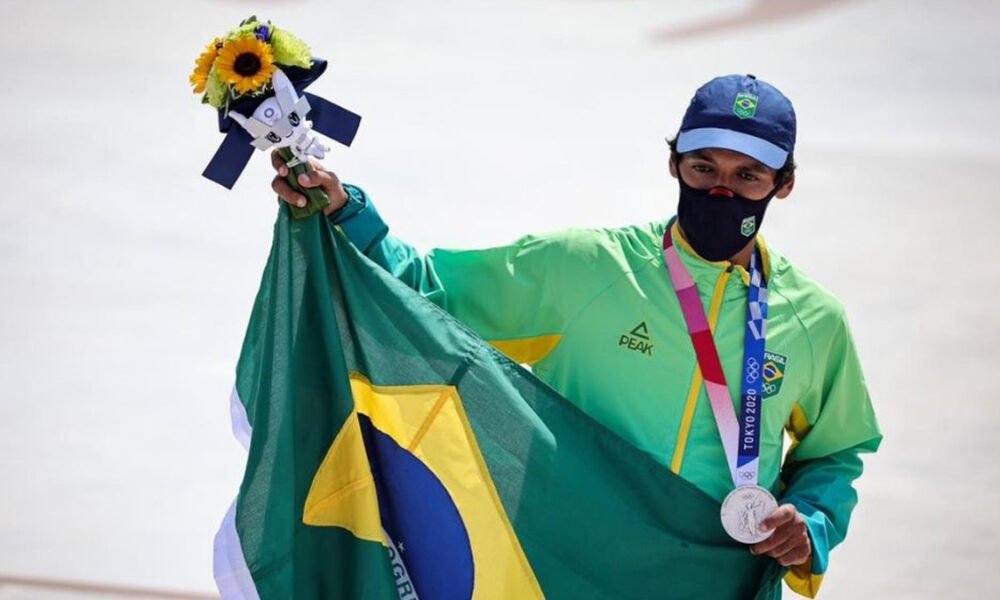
(247, 27)
(215, 89)
(289, 50)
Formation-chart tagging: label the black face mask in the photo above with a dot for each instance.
(718, 222)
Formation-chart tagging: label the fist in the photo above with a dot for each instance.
(789, 544)
(317, 177)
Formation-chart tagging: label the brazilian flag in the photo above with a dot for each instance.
(394, 454)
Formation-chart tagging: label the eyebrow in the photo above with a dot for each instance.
(754, 166)
(701, 156)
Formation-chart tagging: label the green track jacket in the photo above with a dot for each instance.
(594, 314)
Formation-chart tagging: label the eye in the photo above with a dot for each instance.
(748, 176)
(269, 112)
(701, 168)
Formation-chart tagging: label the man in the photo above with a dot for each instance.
(606, 318)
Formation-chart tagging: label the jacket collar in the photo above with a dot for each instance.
(702, 266)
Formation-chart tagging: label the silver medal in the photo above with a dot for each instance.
(743, 510)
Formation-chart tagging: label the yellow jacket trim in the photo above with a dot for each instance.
(802, 581)
(765, 256)
(528, 350)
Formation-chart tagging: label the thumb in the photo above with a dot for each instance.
(783, 514)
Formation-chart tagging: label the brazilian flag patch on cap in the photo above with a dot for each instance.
(745, 106)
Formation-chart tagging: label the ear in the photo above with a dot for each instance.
(673, 166)
(786, 188)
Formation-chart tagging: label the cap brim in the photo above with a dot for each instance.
(714, 137)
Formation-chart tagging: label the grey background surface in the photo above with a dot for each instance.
(126, 279)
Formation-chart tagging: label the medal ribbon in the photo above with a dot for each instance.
(740, 439)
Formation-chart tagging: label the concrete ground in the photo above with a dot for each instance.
(126, 279)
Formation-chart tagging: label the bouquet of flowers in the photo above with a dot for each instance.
(255, 76)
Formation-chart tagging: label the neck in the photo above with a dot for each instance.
(742, 258)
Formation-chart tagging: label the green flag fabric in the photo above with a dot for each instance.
(392, 453)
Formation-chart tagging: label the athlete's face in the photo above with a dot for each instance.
(715, 167)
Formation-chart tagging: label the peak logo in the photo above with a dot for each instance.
(637, 340)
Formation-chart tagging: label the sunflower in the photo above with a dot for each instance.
(203, 65)
(246, 63)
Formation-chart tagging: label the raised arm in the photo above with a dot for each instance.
(520, 296)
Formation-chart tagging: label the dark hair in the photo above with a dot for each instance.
(783, 173)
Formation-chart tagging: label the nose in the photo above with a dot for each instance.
(721, 191)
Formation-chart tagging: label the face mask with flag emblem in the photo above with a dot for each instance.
(718, 222)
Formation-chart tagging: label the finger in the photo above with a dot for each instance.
(278, 164)
(797, 555)
(327, 179)
(286, 193)
(315, 165)
(790, 543)
(318, 178)
(785, 513)
(779, 537)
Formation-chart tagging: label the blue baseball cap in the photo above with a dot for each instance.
(743, 114)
